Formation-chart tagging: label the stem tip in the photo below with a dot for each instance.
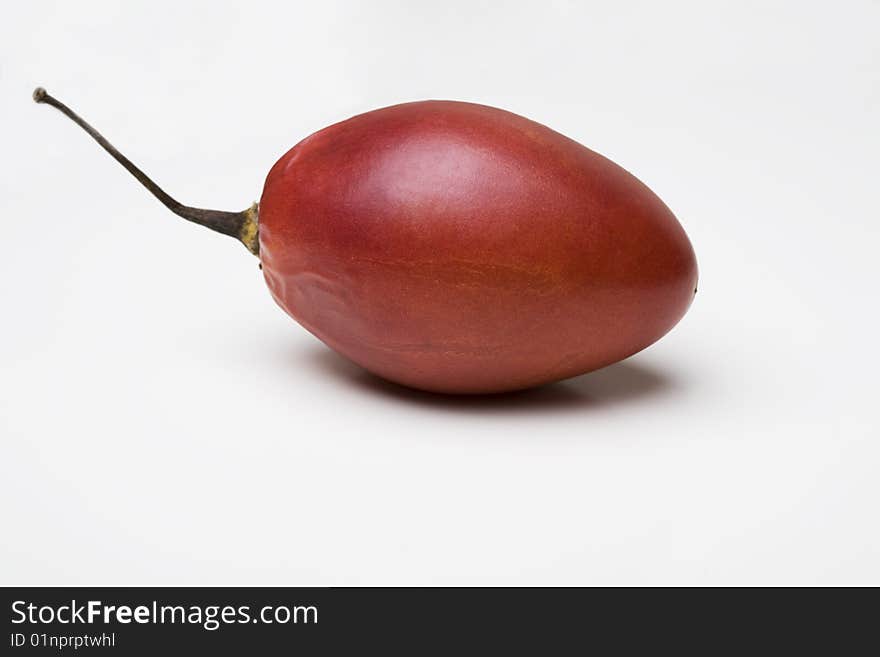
(40, 95)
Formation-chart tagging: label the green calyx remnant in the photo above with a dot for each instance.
(244, 225)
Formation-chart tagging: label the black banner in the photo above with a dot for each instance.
(147, 621)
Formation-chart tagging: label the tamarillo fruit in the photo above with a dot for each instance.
(459, 248)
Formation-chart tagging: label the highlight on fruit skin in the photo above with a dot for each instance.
(459, 248)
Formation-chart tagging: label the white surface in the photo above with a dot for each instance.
(164, 422)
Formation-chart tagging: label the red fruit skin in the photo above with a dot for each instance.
(459, 248)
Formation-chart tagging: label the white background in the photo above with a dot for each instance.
(163, 422)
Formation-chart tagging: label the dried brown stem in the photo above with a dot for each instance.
(241, 225)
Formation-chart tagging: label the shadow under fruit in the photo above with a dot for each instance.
(459, 248)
